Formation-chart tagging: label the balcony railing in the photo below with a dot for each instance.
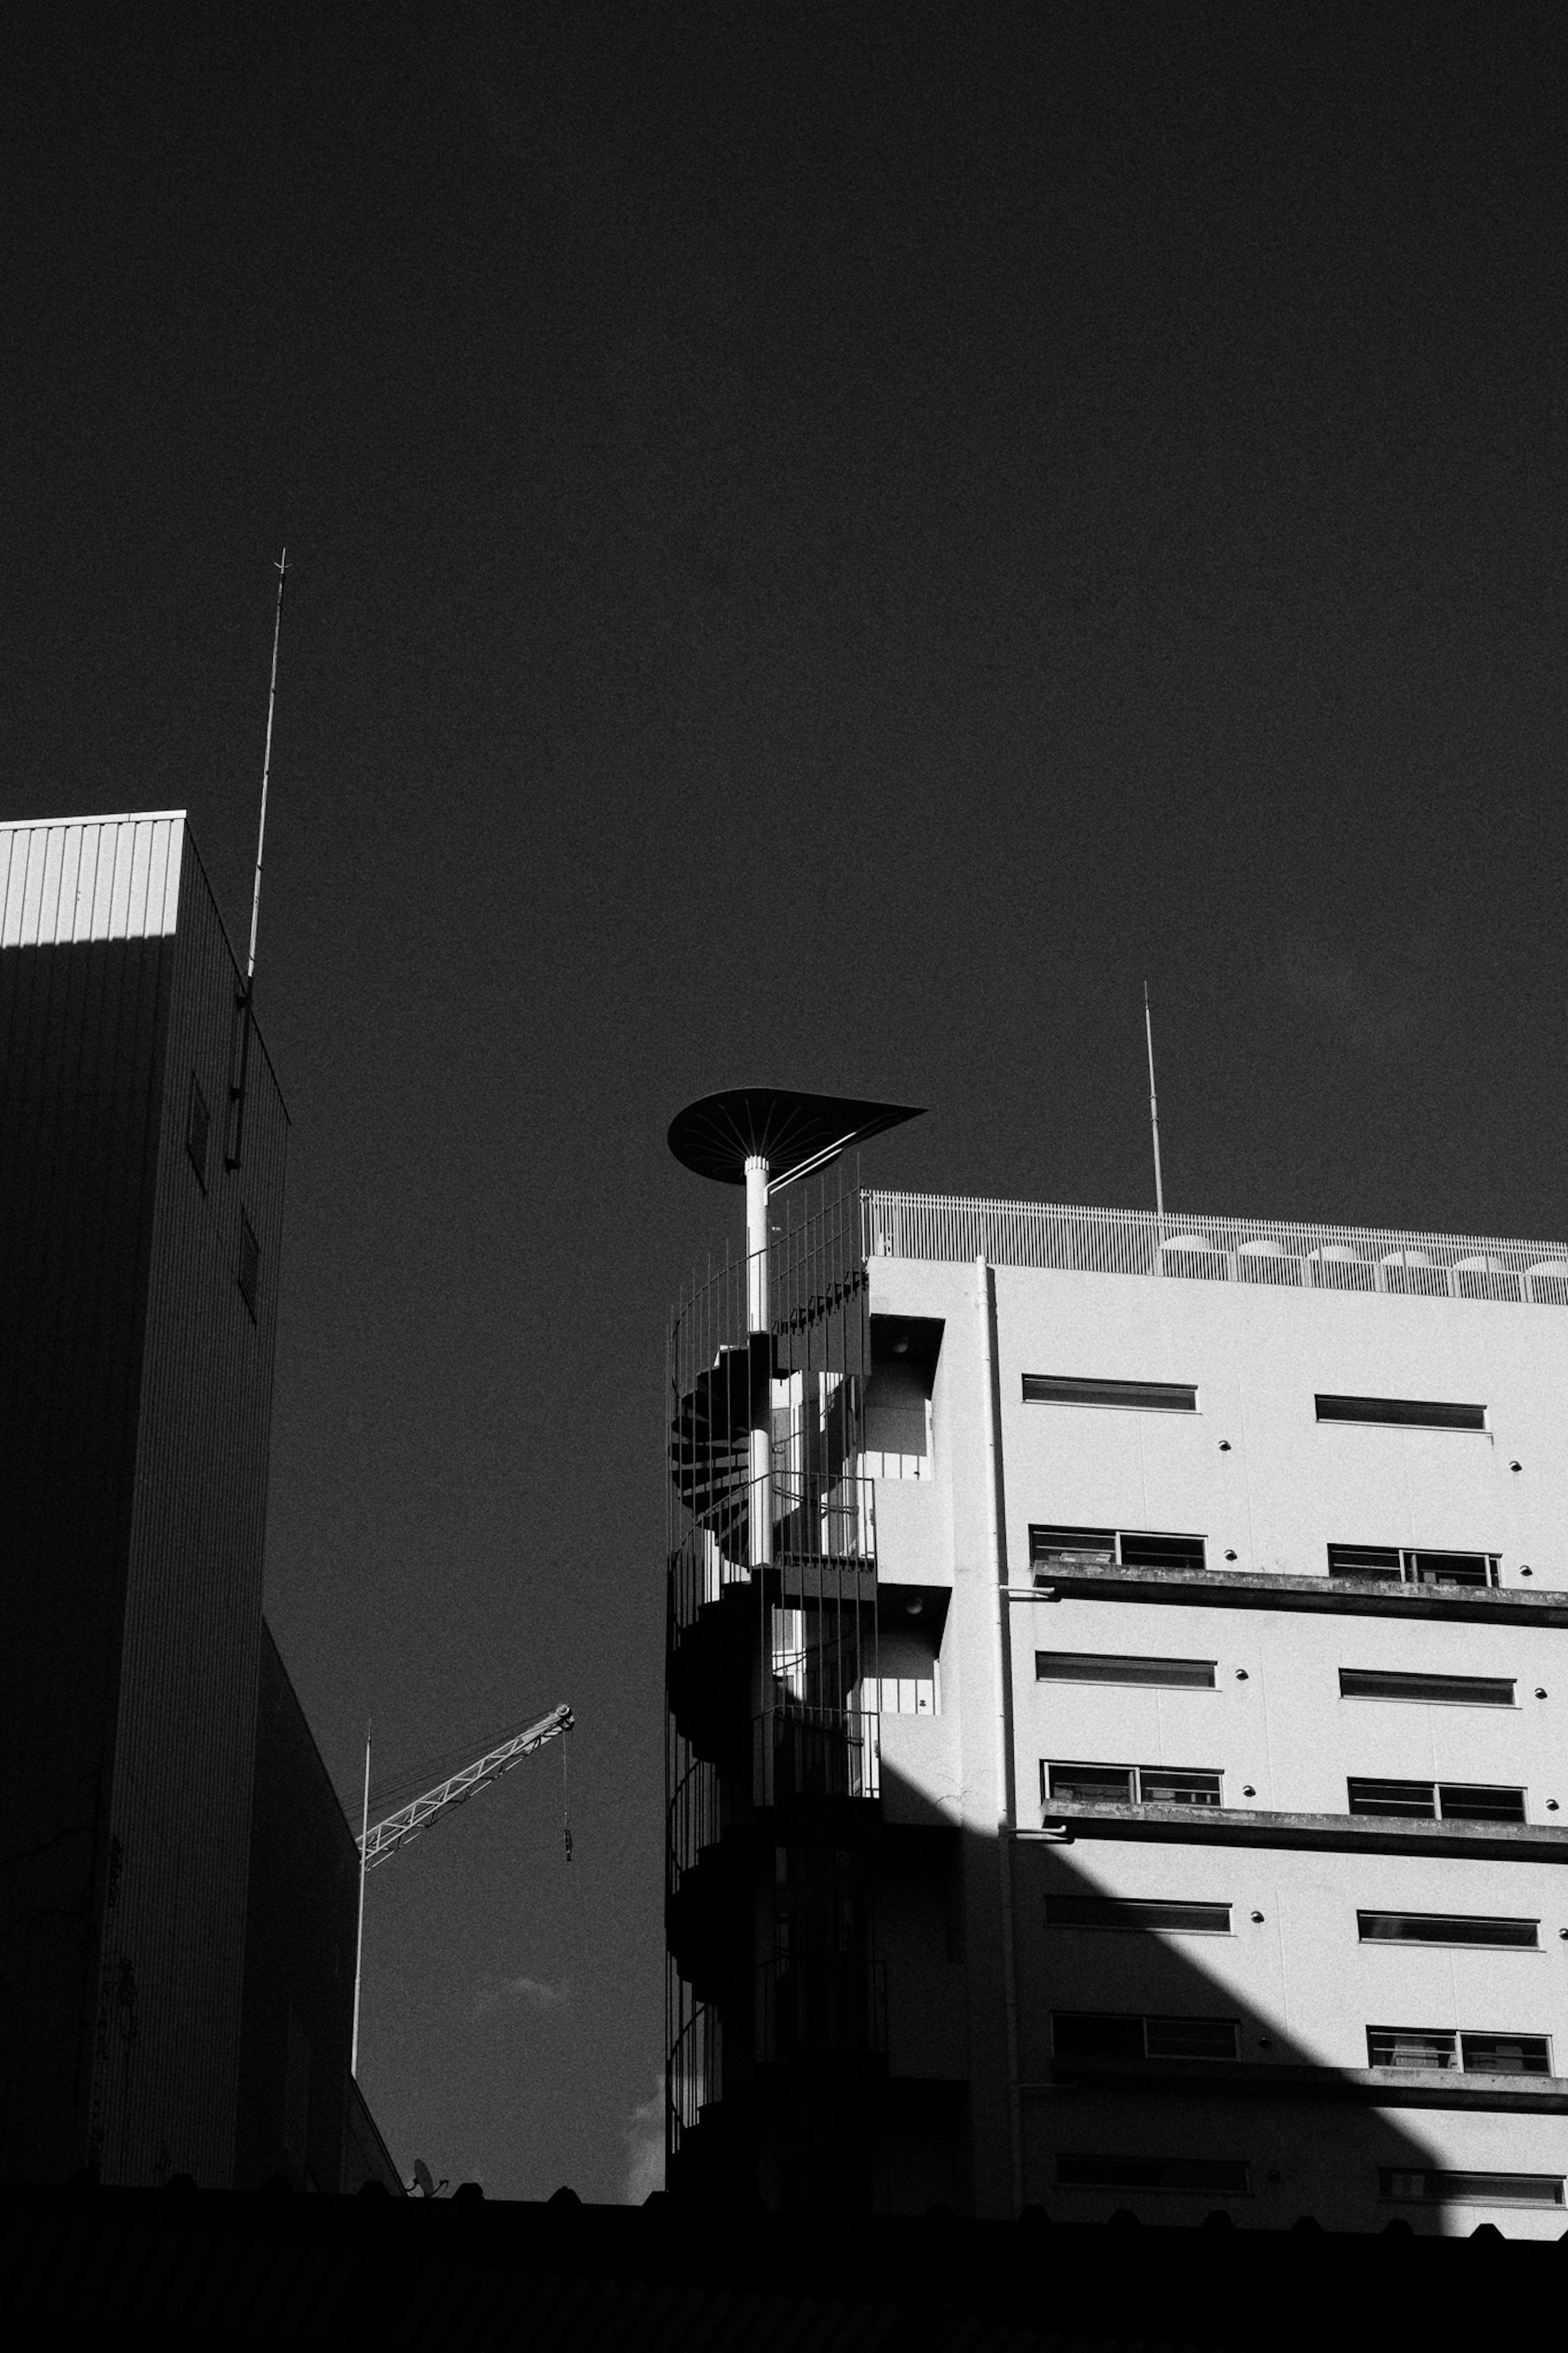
(804, 1753)
(695, 2080)
(701, 1810)
(810, 2007)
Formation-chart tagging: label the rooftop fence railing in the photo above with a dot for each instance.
(956, 1228)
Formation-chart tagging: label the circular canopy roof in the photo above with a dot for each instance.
(791, 1132)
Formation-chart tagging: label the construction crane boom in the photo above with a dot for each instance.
(384, 1838)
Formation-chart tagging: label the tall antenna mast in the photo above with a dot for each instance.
(282, 570)
(1154, 1115)
(248, 1000)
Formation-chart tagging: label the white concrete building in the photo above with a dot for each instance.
(1252, 1694)
(1199, 1843)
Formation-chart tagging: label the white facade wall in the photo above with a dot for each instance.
(1254, 1474)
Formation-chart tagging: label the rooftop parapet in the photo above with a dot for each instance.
(957, 1227)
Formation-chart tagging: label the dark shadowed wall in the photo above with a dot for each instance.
(301, 2117)
(136, 1333)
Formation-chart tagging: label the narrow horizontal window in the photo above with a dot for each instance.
(1434, 1690)
(1434, 2048)
(1507, 2055)
(1079, 2035)
(1217, 2177)
(1436, 2189)
(1137, 1912)
(1109, 1667)
(1191, 2038)
(1479, 1801)
(1411, 1798)
(1403, 1413)
(1445, 1928)
(1137, 1397)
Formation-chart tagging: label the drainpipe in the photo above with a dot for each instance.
(761, 1545)
(1007, 1806)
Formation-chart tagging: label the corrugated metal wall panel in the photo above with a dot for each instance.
(175, 1955)
(70, 880)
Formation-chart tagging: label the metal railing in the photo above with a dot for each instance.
(1389, 1260)
(701, 1811)
(696, 2073)
(821, 2007)
(804, 1752)
(825, 1545)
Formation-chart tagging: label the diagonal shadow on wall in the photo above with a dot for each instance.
(1147, 2081)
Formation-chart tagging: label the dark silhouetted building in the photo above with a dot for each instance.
(142, 1140)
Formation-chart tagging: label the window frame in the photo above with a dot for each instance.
(1364, 1807)
(1132, 1683)
(1438, 1792)
(1130, 1906)
(1531, 1944)
(1466, 1697)
(1477, 2034)
(1092, 1545)
(1405, 1414)
(1477, 1788)
(1164, 2019)
(1459, 2040)
(1051, 1765)
(1228, 2177)
(1389, 2175)
(1119, 1397)
(1450, 2034)
(1404, 1569)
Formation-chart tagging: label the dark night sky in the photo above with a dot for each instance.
(827, 542)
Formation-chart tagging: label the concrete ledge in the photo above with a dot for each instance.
(1253, 2079)
(1340, 1596)
(1333, 1833)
